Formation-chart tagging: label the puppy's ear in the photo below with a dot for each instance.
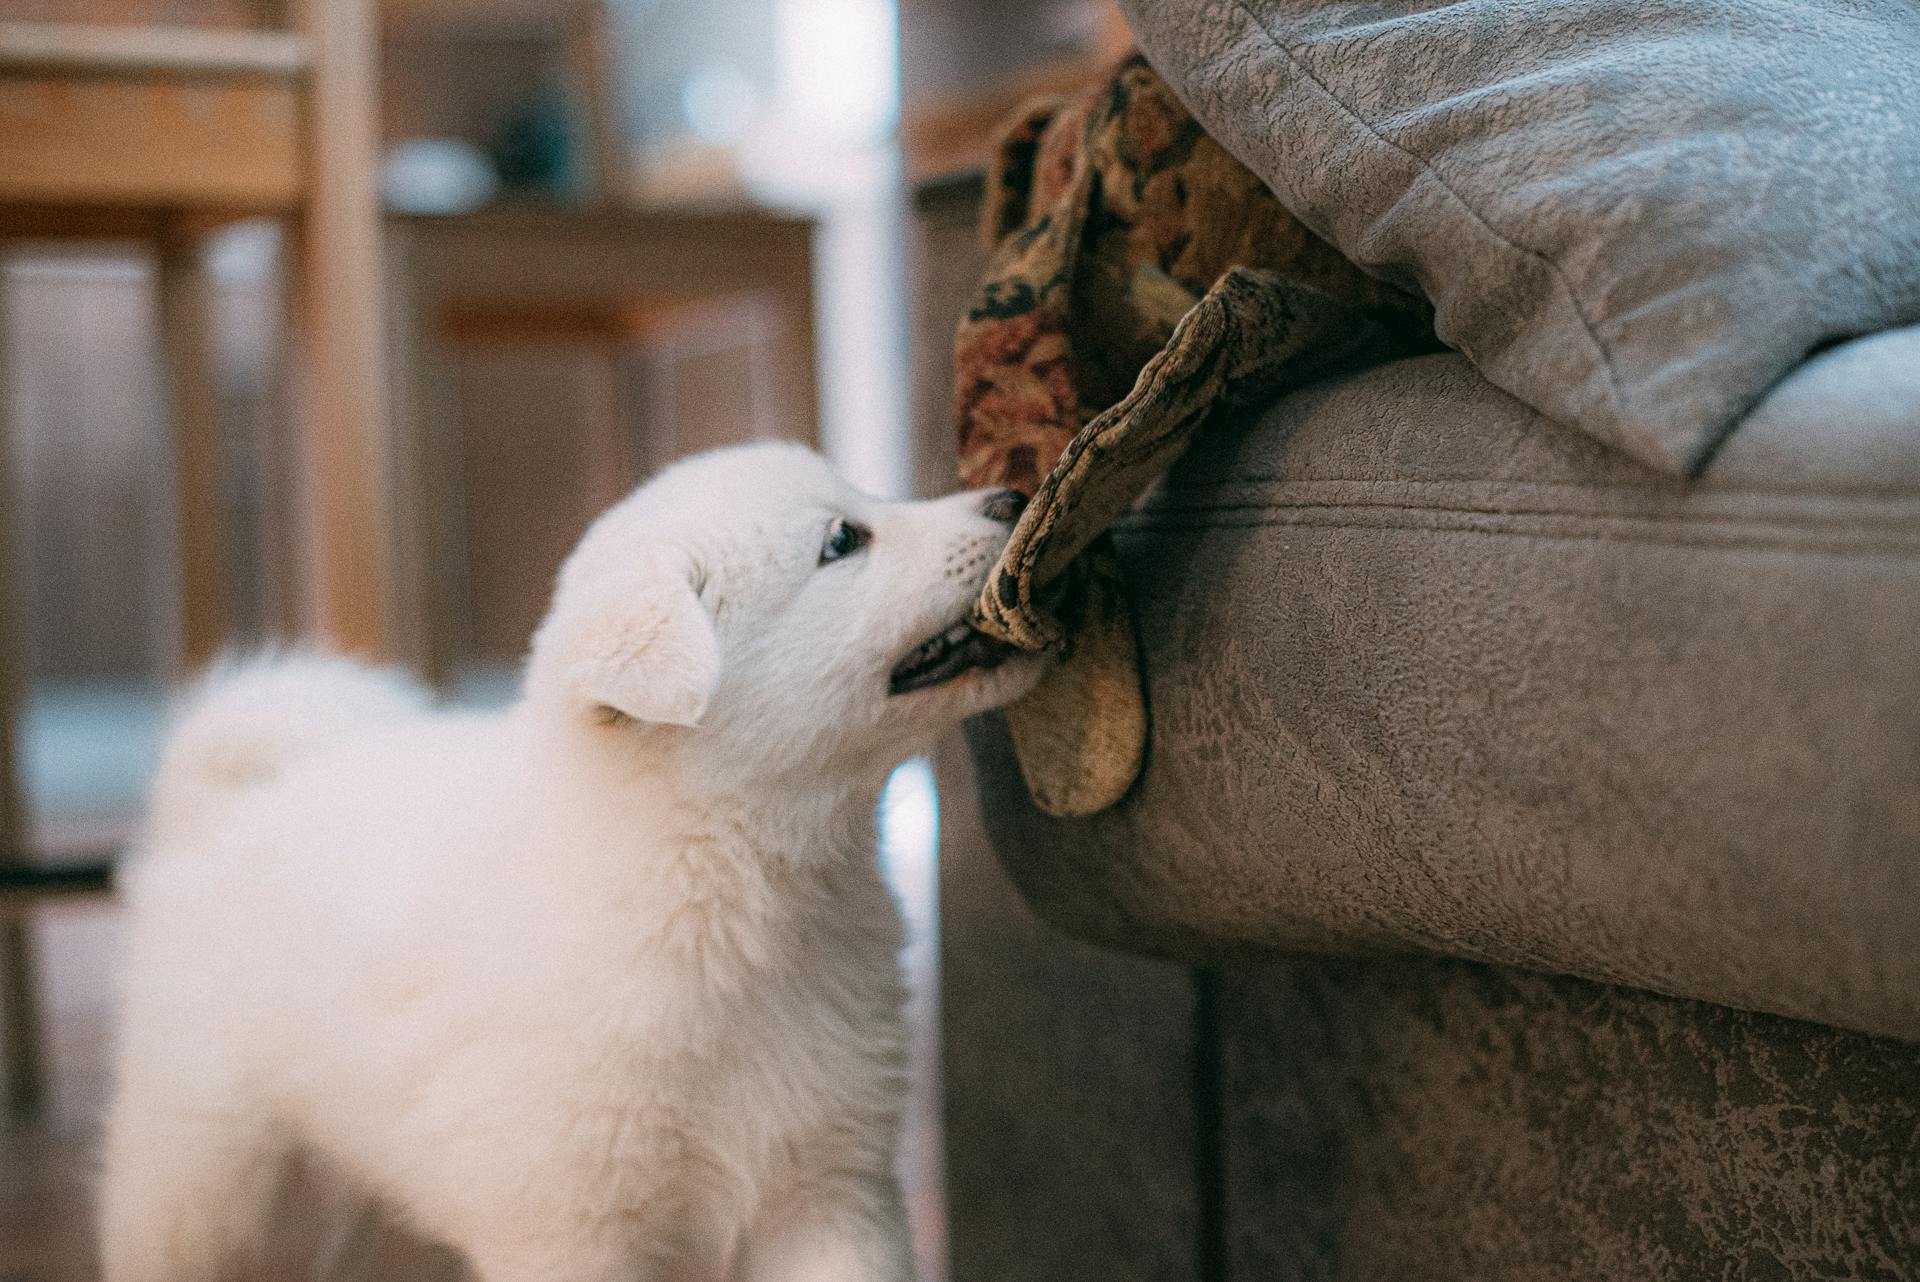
(646, 651)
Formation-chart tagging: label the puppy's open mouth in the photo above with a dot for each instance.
(942, 658)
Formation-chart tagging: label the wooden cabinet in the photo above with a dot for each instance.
(549, 359)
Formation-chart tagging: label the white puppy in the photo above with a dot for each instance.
(602, 987)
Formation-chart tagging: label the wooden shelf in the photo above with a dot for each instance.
(137, 144)
(441, 18)
(69, 50)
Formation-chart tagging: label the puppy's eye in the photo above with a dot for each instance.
(844, 538)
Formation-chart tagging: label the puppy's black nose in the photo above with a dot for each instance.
(1004, 506)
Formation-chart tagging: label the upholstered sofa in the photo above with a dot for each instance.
(1525, 877)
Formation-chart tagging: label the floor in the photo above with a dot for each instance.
(45, 1168)
(88, 749)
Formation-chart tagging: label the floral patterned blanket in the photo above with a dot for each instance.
(1140, 282)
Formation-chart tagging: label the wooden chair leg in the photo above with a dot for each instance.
(21, 1075)
(339, 336)
(20, 1033)
(187, 331)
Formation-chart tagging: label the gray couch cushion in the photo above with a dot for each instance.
(1634, 215)
(1427, 672)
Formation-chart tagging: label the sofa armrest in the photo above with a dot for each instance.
(1429, 672)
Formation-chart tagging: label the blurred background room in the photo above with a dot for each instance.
(337, 320)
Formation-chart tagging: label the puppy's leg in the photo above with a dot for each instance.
(849, 1229)
(184, 1195)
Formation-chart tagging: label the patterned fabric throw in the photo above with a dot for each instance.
(1139, 280)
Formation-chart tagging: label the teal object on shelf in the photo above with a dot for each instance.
(540, 150)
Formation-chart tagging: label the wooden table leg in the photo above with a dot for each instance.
(589, 56)
(796, 354)
(428, 563)
(610, 471)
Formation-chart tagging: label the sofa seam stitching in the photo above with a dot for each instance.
(1880, 494)
(1785, 520)
(1898, 551)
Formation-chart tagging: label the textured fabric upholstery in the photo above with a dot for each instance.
(1428, 671)
(1459, 1123)
(1635, 215)
(1113, 1116)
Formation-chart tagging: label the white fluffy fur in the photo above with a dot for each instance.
(600, 987)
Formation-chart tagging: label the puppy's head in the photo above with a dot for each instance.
(780, 618)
